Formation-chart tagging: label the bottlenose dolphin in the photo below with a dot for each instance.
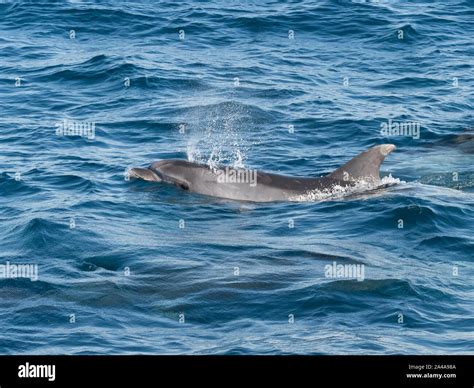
(257, 186)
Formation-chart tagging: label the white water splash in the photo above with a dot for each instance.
(219, 135)
(337, 191)
(238, 159)
(192, 151)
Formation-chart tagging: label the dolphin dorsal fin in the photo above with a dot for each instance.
(366, 165)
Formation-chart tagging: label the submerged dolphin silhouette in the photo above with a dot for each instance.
(257, 186)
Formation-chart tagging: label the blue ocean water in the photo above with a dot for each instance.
(291, 87)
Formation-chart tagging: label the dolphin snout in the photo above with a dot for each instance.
(143, 173)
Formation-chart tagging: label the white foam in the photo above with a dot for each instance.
(337, 191)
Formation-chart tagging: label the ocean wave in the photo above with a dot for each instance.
(231, 84)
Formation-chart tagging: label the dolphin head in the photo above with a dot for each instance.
(176, 171)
